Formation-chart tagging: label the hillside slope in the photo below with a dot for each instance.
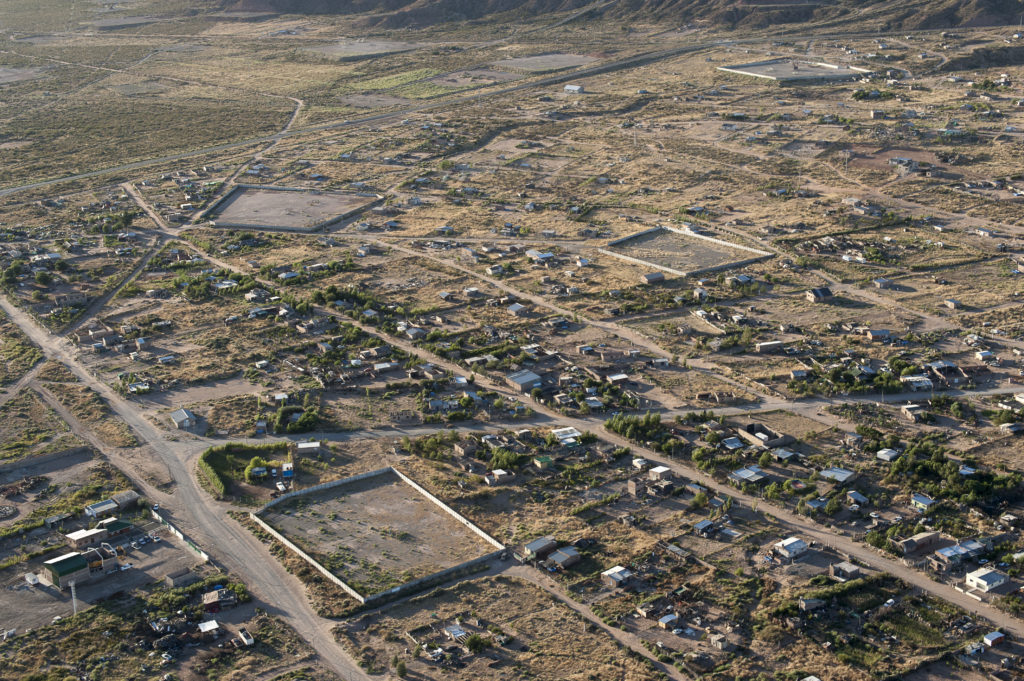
(735, 14)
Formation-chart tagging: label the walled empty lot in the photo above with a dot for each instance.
(679, 251)
(285, 209)
(376, 533)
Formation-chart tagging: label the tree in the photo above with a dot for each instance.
(700, 500)
(765, 460)
(476, 644)
(44, 278)
(400, 669)
(833, 506)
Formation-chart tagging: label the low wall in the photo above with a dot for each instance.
(309, 559)
(759, 254)
(178, 533)
(32, 461)
(445, 575)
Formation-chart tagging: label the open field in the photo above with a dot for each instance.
(28, 427)
(376, 534)
(284, 209)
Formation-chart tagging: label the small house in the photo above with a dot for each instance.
(986, 579)
(844, 571)
(616, 577)
(183, 419)
(819, 295)
(791, 548)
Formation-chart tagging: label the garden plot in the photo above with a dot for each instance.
(376, 533)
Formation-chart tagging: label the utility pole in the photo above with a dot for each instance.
(74, 597)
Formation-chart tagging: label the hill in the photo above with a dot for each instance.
(729, 14)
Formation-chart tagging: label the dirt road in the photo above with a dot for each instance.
(232, 546)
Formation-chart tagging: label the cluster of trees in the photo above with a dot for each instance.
(646, 428)
(925, 467)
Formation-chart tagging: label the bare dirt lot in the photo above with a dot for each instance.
(13, 75)
(285, 209)
(354, 49)
(376, 533)
(544, 62)
(680, 252)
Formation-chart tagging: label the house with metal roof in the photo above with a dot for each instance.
(791, 548)
(986, 579)
(101, 508)
(183, 419)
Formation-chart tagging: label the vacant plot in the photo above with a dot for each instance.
(362, 49)
(28, 427)
(542, 63)
(682, 252)
(12, 75)
(284, 209)
(376, 533)
(89, 408)
(17, 354)
(548, 641)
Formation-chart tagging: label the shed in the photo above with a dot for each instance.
(994, 638)
(183, 419)
(617, 576)
(540, 548)
(565, 557)
(101, 508)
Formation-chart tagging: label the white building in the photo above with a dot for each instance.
(791, 548)
(986, 579)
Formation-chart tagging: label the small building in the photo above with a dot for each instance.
(308, 448)
(769, 347)
(183, 419)
(837, 475)
(985, 579)
(844, 571)
(125, 500)
(573, 89)
(888, 455)
(101, 508)
(565, 557)
(79, 539)
(705, 528)
(669, 621)
(791, 548)
(180, 577)
(660, 473)
(524, 381)
(921, 502)
(994, 639)
(748, 475)
(652, 278)
(855, 497)
(819, 295)
(214, 601)
(63, 570)
(541, 548)
(616, 577)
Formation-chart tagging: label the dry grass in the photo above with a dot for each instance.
(560, 644)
